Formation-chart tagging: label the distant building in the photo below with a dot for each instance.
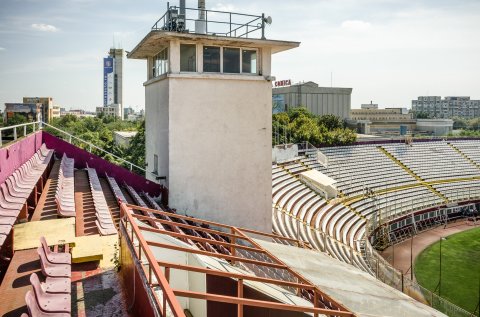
(56, 110)
(127, 111)
(31, 111)
(436, 107)
(370, 105)
(381, 121)
(77, 112)
(375, 114)
(318, 100)
(122, 138)
(396, 121)
(113, 77)
(114, 110)
(47, 106)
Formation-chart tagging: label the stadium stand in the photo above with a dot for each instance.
(65, 195)
(104, 220)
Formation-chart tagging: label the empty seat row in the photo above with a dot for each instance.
(52, 297)
(65, 195)
(115, 188)
(17, 191)
(104, 220)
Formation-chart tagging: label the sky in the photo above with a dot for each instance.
(388, 51)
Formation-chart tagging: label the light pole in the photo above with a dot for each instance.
(411, 257)
(439, 285)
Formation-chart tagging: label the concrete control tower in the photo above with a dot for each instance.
(208, 110)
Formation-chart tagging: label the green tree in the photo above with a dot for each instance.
(331, 121)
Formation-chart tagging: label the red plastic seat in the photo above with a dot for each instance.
(53, 270)
(56, 285)
(52, 303)
(34, 309)
(55, 257)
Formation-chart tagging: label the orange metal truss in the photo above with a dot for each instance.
(131, 214)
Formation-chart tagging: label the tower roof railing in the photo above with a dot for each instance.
(214, 22)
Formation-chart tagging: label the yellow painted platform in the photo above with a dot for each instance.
(95, 248)
(56, 231)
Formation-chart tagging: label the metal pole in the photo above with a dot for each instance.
(411, 258)
(393, 257)
(263, 26)
(440, 277)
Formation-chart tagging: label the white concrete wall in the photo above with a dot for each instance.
(220, 148)
(156, 126)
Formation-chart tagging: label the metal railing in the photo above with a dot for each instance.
(40, 125)
(16, 129)
(219, 23)
(89, 147)
(386, 273)
(244, 251)
(365, 257)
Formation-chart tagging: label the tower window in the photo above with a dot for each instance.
(249, 61)
(188, 57)
(231, 60)
(211, 59)
(160, 63)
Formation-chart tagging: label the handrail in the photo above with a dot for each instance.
(408, 286)
(168, 295)
(14, 128)
(152, 267)
(70, 137)
(168, 23)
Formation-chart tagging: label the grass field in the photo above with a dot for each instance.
(460, 268)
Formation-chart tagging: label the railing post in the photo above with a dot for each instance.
(24, 130)
(167, 277)
(240, 295)
(131, 167)
(14, 133)
(263, 26)
(70, 139)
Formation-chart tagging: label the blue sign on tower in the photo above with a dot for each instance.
(108, 81)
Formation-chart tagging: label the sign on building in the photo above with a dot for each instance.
(108, 81)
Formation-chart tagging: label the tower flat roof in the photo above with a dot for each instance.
(157, 39)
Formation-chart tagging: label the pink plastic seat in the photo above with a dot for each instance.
(16, 190)
(13, 196)
(9, 205)
(52, 303)
(55, 257)
(5, 229)
(34, 309)
(7, 220)
(56, 285)
(53, 270)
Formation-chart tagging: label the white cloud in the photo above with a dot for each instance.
(2, 49)
(44, 27)
(356, 25)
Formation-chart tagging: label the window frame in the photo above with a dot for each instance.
(167, 62)
(196, 57)
(241, 72)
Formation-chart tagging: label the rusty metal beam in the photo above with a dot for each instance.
(200, 239)
(215, 255)
(234, 275)
(174, 215)
(260, 303)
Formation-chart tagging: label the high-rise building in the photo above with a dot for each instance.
(436, 107)
(208, 116)
(113, 77)
(47, 106)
